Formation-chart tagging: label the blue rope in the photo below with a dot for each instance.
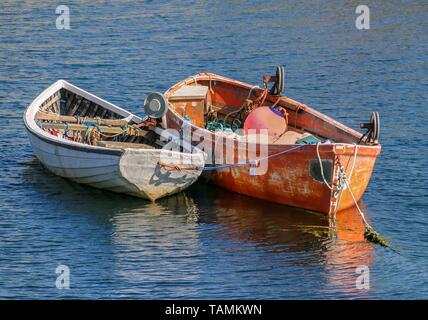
(89, 123)
(247, 162)
(224, 167)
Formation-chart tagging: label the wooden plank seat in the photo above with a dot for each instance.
(50, 116)
(103, 129)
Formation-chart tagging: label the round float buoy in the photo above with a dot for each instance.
(265, 118)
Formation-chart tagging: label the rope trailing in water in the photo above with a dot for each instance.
(369, 234)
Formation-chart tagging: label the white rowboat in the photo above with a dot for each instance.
(84, 138)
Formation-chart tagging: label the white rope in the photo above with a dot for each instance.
(353, 163)
(211, 89)
(358, 207)
(347, 186)
(321, 167)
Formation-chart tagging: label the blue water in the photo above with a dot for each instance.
(207, 242)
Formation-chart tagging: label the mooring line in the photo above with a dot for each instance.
(370, 234)
(240, 164)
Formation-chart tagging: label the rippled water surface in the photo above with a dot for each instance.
(207, 242)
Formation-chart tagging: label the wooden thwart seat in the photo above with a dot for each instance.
(50, 116)
(103, 129)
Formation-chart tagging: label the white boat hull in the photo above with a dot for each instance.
(132, 171)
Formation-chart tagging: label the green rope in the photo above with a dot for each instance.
(215, 125)
(222, 125)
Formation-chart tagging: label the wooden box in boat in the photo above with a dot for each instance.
(292, 178)
(125, 156)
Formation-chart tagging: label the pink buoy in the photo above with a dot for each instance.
(265, 118)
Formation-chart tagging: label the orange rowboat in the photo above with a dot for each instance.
(314, 162)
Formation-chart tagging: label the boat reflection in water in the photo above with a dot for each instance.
(340, 248)
(203, 238)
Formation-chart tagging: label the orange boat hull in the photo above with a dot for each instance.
(292, 178)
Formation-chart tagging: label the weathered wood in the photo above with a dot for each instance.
(93, 110)
(49, 116)
(76, 106)
(85, 108)
(52, 100)
(103, 113)
(82, 127)
(190, 93)
(62, 103)
(69, 101)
